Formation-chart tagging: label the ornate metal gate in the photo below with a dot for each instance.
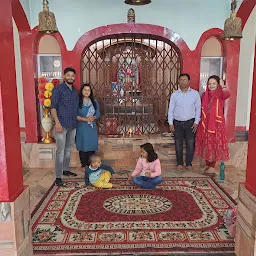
(132, 77)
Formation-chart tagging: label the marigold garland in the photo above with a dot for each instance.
(42, 80)
(40, 96)
(47, 103)
(47, 94)
(41, 87)
(49, 87)
(45, 90)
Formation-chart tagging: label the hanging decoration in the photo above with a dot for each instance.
(131, 16)
(233, 25)
(47, 21)
(137, 2)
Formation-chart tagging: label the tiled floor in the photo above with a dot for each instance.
(40, 180)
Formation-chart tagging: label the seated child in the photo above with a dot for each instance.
(148, 169)
(99, 174)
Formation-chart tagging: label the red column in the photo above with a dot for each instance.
(250, 183)
(28, 81)
(232, 66)
(11, 178)
(27, 39)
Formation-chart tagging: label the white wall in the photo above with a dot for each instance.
(188, 18)
(246, 66)
(18, 74)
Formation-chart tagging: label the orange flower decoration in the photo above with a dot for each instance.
(40, 95)
(41, 101)
(41, 87)
(42, 80)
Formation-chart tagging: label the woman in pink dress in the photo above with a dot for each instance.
(211, 140)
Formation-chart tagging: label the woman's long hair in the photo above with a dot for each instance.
(81, 97)
(152, 155)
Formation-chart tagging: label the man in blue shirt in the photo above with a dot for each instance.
(183, 117)
(64, 112)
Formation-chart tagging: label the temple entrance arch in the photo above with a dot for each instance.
(132, 76)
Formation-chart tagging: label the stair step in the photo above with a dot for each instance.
(122, 152)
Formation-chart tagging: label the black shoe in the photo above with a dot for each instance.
(68, 173)
(58, 182)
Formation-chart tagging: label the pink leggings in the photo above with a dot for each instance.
(210, 164)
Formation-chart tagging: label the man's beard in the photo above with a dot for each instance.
(70, 81)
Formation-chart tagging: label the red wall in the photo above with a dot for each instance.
(191, 59)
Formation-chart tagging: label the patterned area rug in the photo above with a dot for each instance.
(182, 217)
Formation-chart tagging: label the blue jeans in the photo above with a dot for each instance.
(65, 142)
(147, 182)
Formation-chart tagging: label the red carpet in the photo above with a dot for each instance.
(183, 216)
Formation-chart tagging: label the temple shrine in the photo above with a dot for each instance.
(131, 53)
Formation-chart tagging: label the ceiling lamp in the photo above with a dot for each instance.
(47, 21)
(137, 2)
(233, 25)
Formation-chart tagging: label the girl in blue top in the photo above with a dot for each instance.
(86, 133)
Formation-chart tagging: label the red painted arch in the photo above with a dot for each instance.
(231, 52)
(38, 36)
(213, 32)
(245, 10)
(126, 28)
(20, 17)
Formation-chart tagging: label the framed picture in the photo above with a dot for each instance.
(49, 66)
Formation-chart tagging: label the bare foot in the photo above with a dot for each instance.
(115, 175)
(116, 185)
(190, 168)
(179, 167)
